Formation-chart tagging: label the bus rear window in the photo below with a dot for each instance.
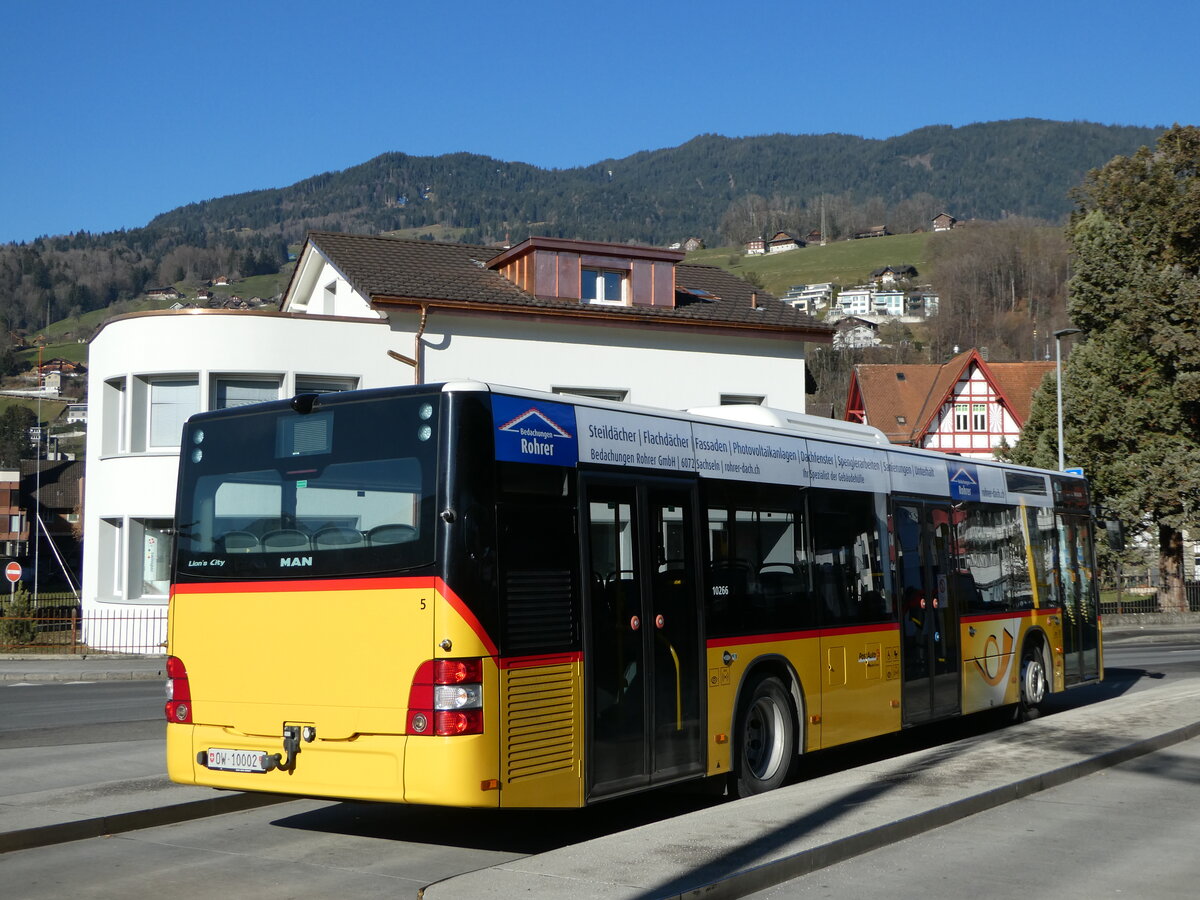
(345, 491)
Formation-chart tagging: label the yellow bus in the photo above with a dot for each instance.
(478, 596)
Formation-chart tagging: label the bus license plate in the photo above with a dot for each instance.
(236, 760)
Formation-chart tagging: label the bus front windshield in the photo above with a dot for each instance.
(346, 489)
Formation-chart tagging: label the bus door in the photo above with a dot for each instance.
(643, 658)
(925, 581)
(1081, 633)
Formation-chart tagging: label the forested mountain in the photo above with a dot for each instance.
(719, 189)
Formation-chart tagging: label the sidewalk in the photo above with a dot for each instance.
(737, 848)
(94, 667)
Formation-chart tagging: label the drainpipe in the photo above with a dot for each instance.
(416, 360)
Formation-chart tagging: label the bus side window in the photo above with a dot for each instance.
(848, 564)
(758, 572)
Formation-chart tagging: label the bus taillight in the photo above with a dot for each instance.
(446, 698)
(179, 692)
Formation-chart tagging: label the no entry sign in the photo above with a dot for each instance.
(13, 572)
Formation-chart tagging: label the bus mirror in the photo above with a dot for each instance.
(1115, 532)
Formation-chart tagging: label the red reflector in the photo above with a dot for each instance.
(175, 667)
(457, 671)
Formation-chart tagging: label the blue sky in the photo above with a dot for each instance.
(116, 112)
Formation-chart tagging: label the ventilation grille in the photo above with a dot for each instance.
(540, 721)
(539, 614)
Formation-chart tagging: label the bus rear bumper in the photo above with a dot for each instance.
(451, 771)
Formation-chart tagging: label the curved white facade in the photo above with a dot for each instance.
(149, 371)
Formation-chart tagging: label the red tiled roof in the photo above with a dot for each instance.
(916, 392)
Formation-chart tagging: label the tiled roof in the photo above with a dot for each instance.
(916, 392)
(389, 270)
(55, 484)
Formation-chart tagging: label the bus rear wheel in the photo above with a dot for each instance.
(765, 738)
(1033, 685)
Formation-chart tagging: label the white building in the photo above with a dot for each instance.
(889, 303)
(857, 301)
(608, 320)
(809, 297)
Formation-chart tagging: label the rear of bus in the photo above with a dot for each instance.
(314, 646)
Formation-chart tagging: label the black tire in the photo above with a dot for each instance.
(766, 738)
(1034, 685)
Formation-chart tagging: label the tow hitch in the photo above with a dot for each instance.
(291, 747)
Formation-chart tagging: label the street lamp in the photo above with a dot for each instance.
(1058, 336)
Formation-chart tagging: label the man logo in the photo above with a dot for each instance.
(292, 561)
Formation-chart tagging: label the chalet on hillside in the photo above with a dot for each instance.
(163, 293)
(873, 231)
(944, 222)
(892, 274)
(966, 406)
(781, 242)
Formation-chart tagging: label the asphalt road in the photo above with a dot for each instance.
(309, 848)
(48, 714)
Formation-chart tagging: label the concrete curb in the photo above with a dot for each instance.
(739, 884)
(98, 826)
(81, 675)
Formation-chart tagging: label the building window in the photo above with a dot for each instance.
(150, 562)
(229, 392)
(979, 417)
(172, 400)
(962, 417)
(111, 558)
(321, 384)
(602, 286)
(114, 438)
(617, 395)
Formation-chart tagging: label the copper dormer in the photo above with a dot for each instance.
(591, 272)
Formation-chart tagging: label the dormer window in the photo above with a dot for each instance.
(591, 273)
(603, 286)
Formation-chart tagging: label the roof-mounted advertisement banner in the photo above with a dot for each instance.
(552, 433)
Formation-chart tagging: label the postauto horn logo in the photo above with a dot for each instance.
(534, 431)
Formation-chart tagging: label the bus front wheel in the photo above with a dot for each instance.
(765, 738)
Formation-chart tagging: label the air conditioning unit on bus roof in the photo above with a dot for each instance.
(813, 426)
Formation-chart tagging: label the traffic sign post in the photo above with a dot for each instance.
(13, 573)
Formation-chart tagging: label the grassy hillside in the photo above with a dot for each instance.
(842, 262)
(50, 409)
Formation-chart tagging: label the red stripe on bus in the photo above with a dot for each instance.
(467, 616)
(283, 587)
(800, 635)
(1015, 614)
(549, 659)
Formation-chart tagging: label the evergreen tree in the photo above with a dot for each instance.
(1132, 389)
(15, 423)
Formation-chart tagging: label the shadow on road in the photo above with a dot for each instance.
(539, 831)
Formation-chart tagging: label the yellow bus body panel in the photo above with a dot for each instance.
(848, 682)
(860, 695)
(339, 656)
(992, 656)
(541, 751)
